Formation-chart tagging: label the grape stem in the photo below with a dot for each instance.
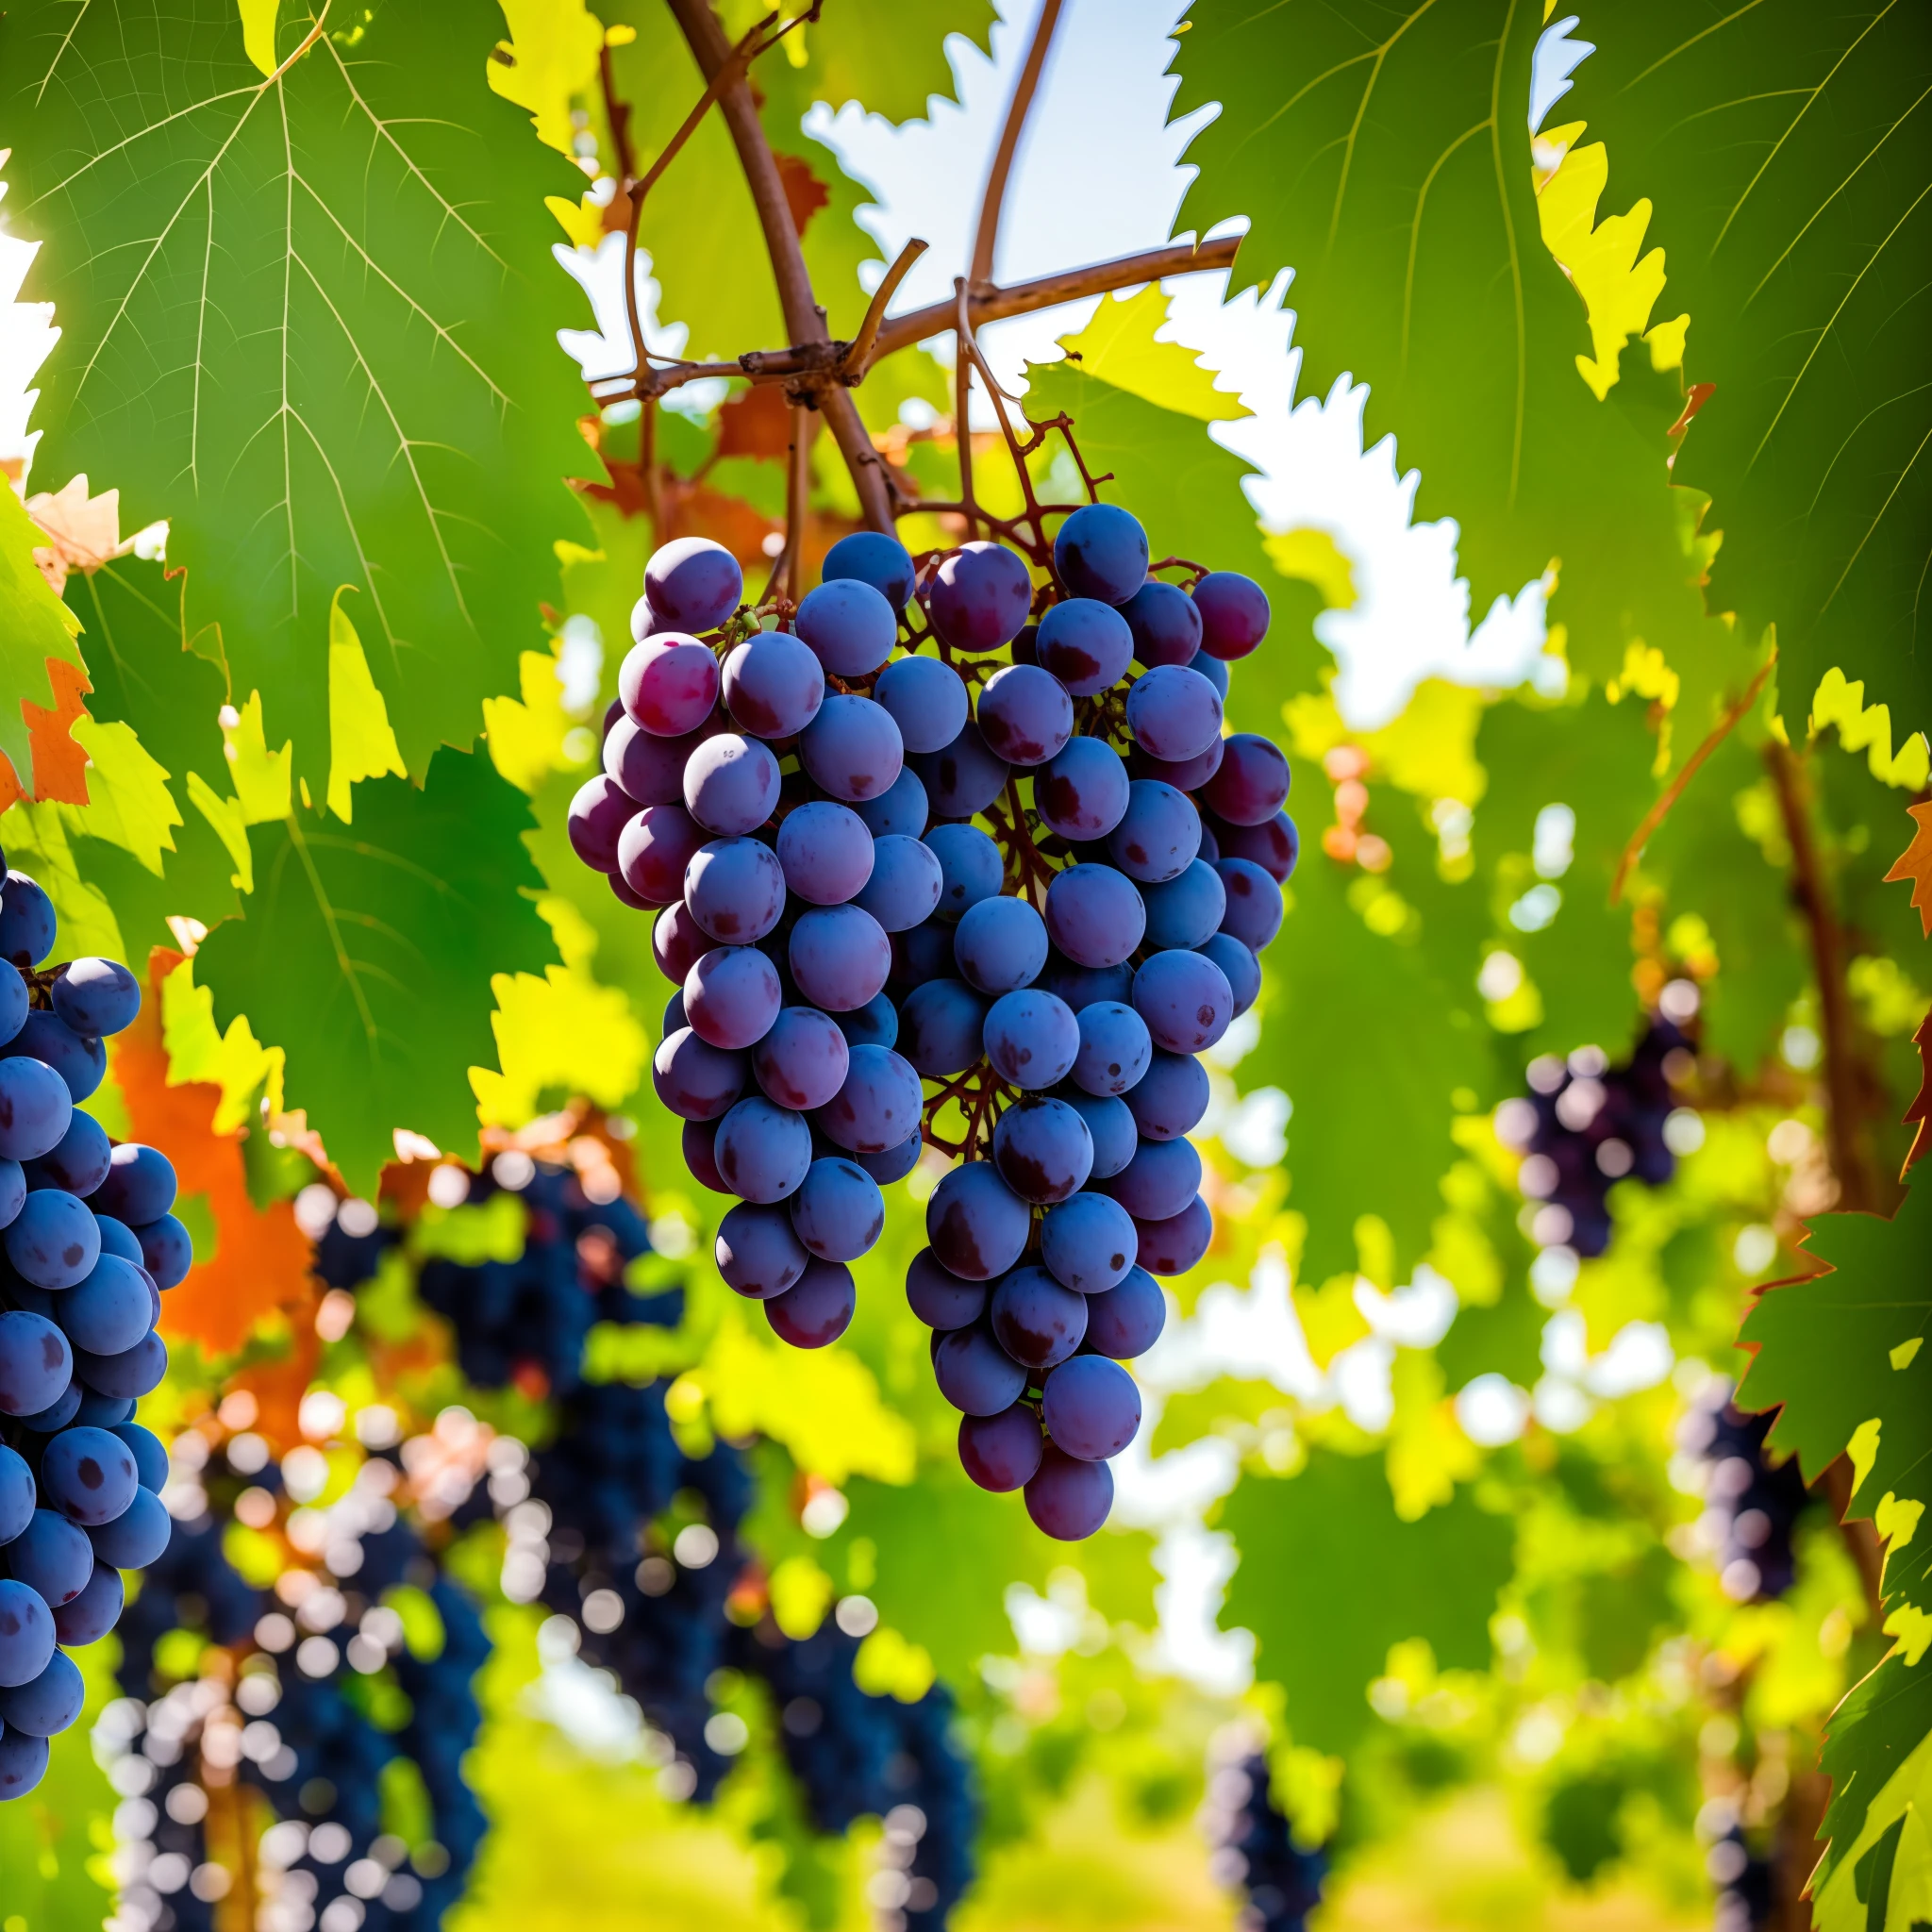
(785, 570)
(986, 234)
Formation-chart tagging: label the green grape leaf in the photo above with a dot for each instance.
(34, 625)
(1330, 1576)
(1382, 154)
(366, 953)
(887, 57)
(1789, 155)
(309, 317)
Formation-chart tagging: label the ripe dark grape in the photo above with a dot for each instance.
(772, 685)
(1088, 1244)
(963, 777)
(900, 810)
(1165, 624)
(838, 1213)
(696, 1080)
(877, 1106)
(731, 996)
(695, 582)
(970, 868)
(881, 561)
(36, 1363)
(851, 748)
(1126, 1321)
(677, 941)
(824, 851)
(1101, 552)
(943, 1024)
(938, 1297)
(1082, 792)
(1185, 999)
(849, 624)
(1187, 910)
(52, 1557)
(758, 1252)
(1159, 834)
(895, 1163)
(1243, 969)
(652, 850)
(1161, 1178)
(735, 888)
(980, 596)
(1091, 1407)
(1184, 775)
(140, 1186)
(1000, 946)
(1094, 916)
(1085, 643)
(110, 1310)
(1253, 902)
(1044, 1150)
(35, 1109)
(26, 1634)
(127, 1375)
(730, 785)
(974, 1374)
(1115, 1048)
(27, 924)
(1174, 712)
(1274, 845)
(1111, 1125)
(79, 1161)
(1178, 1244)
(1036, 1321)
(906, 883)
(763, 1151)
(1032, 1038)
(927, 701)
(1234, 613)
(1068, 1498)
(976, 1224)
(817, 1309)
(1251, 785)
(802, 1061)
(1025, 715)
(167, 1251)
(668, 684)
(48, 1705)
(1082, 986)
(16, 1494)
(95, 997)
(54, 1240)
(1001, 1451)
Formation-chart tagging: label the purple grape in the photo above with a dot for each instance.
(108, 1311)
(905, 885)
(1170, 1097)
(14, 1181)
(1184, 775)
(772, 685)
(763, 1151)
(91, 1615)
(1000, 944)
(731, 997)
(928, 700)
(962, 777)
(976, 1224)
(52, 1556)
(1242, 968)
(1091, 1407)
(693, 582)
(1174, 712)
(1185, 999)
(1253, 902)
(137, 1537)
(54, 1240)
(668, 684)
(895, 1163)
(1160, 1180)
(838, 1213)
(1178, 1244)
(851, 748)
(1101, 552)
(17, 1495)
(699, 1143)
(1111, 1126)
(1025, 715)
(1214, 671)
(649, 770)
(1068, 1499)
(57, 1415)
(1234, 613)
(759, 1254)
(735, 888)
(882, 562)
(732, 785)
(27, 925)
(942, 1025)
(677, 941)
(1085, 643)
(923, 954)
(938, 1297)
(35, 1109)
(96, 996)
(979, 597)
(817, 1309)
(1094, 916)
(81, 1162)
(1186, 910)
(26, 1634)
(14, 1000)
(167, 1251)
(1115, 1049)
(1251, 784)
(879, 1106)
(1159, 834)
(1126, 1321)
(696, 1080)
(106, 1411)
(800, 1063)
(1031, 1038)
(1165, 623)
(654, 849)
(1035, 1319)
(1082, 793)
(875, 1024)
(131, 1373)
(971, 867)
(850, 626)
(899, 811)
(1001, 1451)
(1044, 1150)
(150, 1458)
(1088, 1244)
(825, 852)
(1275, 846)
(839, 957)
(974, 1374)
(87, 1476)
(1082, 986)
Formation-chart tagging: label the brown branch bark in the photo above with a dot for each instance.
(986, 234)
(859, 357)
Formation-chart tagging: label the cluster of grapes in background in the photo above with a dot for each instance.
(1255, 1852)
(86, 1245)
(1752, 1504)
(992, 904)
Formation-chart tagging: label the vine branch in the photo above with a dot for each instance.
(986, 235)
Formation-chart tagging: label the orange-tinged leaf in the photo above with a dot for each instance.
(1915, 863)
(83, 532)
(1921, 1109)
(59, 765)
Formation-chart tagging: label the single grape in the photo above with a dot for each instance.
(693, 582)
(873, 558)
(763, 1151)
(134, 1373)
(1101, 551)
(840, 957)
(732, 785)
(838, 1213)
(1171, 1097)
(1174, 712)
(1044, 1150)
(1184, 775)
(1253, 902)
(1088, 1244)
(942, 1025)
(35, 1109)
(1126, 1321)
(1000, 944)
(772, 685)
(974, 1374)
(696, 1080)
(140, 1186)
(1159, 834)
(109, 1412)
(938, 1297)
(1091, 1407)
(1234, 613)
(1176, 1245)
(96, 996)
(963, 777)
(1185, 999)
(1242, 968)
(1001, 1451)
(905, 885)
(1066, 1498)
(52, 1557)
(649, 770)
(731, 997)
(1160, 1180)
(900, 810)
(735, 888)
(758, 1251)
(150, 1458)
(849, 625)
(976, 1224)
(1031, 1038)
(57, 1415)
(1115, 1048)
(1025, 715)
(878, 1104)
(1094, 916)
(677, 941)
(851, 748)
(1185, 910)
(928, 700)
(1165, 623)
(90, 1616)
(53, 1240)
(1024, 646)
(1082, 793)
(23, 1763)
(1251, 784)
(1080, 986)
(79, 1058)
(27, 925)
(824, 851)
(14, 1003)
(1109, 1123)
(802, 1061)
(87, 1476)
(1275, 846)
(108, 1311)
(817, 1309)
(699, 1143)
(924, 952)
(81, 1162)
(13, 1182)
(668, 684)
(971, 867)
(137, 1537)
(167, 1251)
(17, 1494)
(1085, 643)
(1214, 671)
(1035, 1319)
(26, 1634)
(654, 849)
(979, 597)
(875, 1024)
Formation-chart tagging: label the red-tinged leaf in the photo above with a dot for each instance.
(757, 424)
(1915, 863)
(59, 765)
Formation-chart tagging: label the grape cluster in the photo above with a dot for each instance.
(1585, 1124)
(902, 889)
(1751, 1504)
(86, 1245)
(1255, 1852)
